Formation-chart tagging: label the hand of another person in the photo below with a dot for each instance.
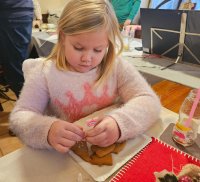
(133, 27)
(127, 22)
(105, 133)
(63, 135)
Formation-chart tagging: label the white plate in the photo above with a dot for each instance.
(101, 173)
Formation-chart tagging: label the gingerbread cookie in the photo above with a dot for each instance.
(119, 147)
(102, 151)
(100, 155)
(105, 160)
(81, 149)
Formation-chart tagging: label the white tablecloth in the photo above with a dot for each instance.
(29, 165)
(43, 42)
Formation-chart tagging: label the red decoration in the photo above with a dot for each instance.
(155, 157)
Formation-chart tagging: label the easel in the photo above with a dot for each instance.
(181, 44)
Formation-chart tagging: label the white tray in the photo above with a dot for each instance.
(132, 147)
(101, 173)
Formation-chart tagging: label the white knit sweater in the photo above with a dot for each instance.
(49, 94)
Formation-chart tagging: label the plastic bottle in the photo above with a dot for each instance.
(183, 132)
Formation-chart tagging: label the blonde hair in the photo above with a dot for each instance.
(83, 16)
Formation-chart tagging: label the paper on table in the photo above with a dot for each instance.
(82, 121)
(132, 147)
(53, 37)
(101, 173)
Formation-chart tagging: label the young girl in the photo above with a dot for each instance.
(83, 74)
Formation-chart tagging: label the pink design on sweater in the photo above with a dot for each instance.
(76, 109)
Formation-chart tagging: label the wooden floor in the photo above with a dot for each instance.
(7, 143)
(170, 93)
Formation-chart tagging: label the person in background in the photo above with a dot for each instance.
(175, 4)
(37, 14)
(125, 10)
(16, 18)
(83, 74)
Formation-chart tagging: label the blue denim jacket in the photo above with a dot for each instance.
(16, 8)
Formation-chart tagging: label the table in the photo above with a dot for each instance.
(29, 165)
(41, 165)
(150, 67)
(181, 73)
(43, 42)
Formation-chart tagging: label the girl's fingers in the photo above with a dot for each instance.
(66, 142)
(70, 127)
(62, 149)
(72, 136)
(93, 125)
(98, 129)
(98, 139)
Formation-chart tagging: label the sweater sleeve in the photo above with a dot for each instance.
(141, 106)
(134, 10)
(27, 119)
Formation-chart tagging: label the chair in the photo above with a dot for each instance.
(4, 87)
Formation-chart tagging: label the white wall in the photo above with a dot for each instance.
(52, 5)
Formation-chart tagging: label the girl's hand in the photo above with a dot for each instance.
(63, 135)
(105, 132)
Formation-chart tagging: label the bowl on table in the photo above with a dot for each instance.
(51, 26)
